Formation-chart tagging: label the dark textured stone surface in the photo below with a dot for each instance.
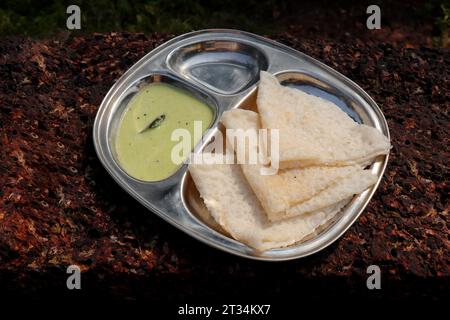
(58, 206)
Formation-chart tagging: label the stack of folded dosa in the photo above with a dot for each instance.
(322, 154)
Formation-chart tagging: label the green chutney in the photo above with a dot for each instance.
(143, 142)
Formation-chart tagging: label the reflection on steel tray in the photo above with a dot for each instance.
(221, 67)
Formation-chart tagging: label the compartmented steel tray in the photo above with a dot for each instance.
(221, 67)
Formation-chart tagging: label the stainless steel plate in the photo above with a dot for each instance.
(221, 67)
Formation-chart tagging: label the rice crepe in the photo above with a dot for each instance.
(294, 192)
(314, 131)
(233, 205)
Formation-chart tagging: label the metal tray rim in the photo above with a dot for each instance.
(194, 233)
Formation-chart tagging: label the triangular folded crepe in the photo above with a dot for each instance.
(314, 131)
(233, 205)
(294, 192)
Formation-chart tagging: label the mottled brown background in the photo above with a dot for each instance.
(58, 206)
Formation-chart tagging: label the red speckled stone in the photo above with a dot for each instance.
(58, 206)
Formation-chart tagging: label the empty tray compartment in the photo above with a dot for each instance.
(225, 66)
